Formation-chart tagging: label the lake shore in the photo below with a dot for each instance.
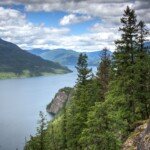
(11, 75)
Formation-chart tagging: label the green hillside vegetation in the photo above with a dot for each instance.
(15, 62)
(105, 108)
(66, 57)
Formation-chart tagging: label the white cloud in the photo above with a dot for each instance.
(73, 19)
(105, 9)
(109, 10)
(15, 27)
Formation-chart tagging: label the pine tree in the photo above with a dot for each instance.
(71, 128)
(102, 109)
(103, 73)
(143, 67)
(64, 128)
(125, 60)
(98, 135)
(77, 117)
(128, 90)
(40, 141)
(83, 99)
(41, 132)
(32, 144)
(82, 68)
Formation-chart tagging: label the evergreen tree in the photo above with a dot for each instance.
(82, 68)
(124, 62)
(40, 141)
(99, 133)
(128, 90)
(103, 73)
(83, 99)
(71, 128)
(102, 109)
(53, 145)
(64, 128)
(32, 144)
(41, 132)
(143, 67)
(77, 117)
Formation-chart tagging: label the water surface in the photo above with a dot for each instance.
(20, 103)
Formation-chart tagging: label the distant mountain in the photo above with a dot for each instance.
(38, 51)
(68, 57)
(95, 57)
(63, 56)
(16, 62)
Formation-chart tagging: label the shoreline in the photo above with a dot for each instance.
(14, 76)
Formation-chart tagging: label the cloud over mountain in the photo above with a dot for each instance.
(15, 26)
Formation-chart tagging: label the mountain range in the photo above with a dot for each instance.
(18, 62)
(68, 57)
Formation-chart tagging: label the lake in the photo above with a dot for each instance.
(20, 103)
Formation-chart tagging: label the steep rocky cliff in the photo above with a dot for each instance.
(60, 99)
(140, 138)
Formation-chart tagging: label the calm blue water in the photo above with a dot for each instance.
(20, 103)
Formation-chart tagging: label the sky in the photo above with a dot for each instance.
(81, 25)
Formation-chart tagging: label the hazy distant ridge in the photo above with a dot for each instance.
(67, 57)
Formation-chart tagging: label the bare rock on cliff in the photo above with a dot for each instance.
(140, 138)
(60, 99)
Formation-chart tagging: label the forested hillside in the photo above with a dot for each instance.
(15, 62)
(107, 107)
(68, 57)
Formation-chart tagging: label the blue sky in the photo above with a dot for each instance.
(79, 25)
(53, 19)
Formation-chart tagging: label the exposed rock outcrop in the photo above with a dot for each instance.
(139, 139)
(60, 99)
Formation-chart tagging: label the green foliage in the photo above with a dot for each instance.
(82, 67)
(103, 73)
(55, 134)
(66, 90)
(77, 116)
(40, 141)
(143, 73)
(128, 63)
(99, 133)
(103, 109)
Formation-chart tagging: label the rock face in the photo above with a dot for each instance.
(139, 139)
(144, 141)
(60, 99)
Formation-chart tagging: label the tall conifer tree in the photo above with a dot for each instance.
(143, 67)
(82, 68)
(103, 73)
(125, 59)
